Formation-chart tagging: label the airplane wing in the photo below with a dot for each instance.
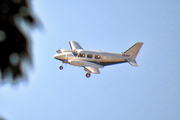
(88, 66)
(74, 45)
(92, 69)
(84, 63)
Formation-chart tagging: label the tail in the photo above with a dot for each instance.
(132, 53)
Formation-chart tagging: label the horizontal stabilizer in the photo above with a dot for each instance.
(132, 62)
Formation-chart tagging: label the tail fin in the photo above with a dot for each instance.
(132, 52)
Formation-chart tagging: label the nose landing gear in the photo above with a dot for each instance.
(61, 67)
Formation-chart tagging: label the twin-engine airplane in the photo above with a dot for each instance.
(93, 60)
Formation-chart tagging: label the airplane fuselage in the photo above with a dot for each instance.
(102, 58)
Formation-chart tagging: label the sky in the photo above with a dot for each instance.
(150, 91)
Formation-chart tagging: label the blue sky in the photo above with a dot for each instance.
(121, 92)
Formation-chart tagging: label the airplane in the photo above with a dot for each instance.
(93, 60)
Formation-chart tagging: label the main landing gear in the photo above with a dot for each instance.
(88, 75)
(61, 67)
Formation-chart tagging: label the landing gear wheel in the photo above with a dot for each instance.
(88, 75)
(60, 67)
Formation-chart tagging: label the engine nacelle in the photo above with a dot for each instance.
(76, 63)
(64, 50)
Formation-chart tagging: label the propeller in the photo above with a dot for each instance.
(66, 60)
(59, 51)
(66, 57)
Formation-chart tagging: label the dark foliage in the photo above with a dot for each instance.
(2, 118)
(13, 43)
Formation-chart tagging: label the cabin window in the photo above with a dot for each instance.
(97, 56)
(89, 55)
(81, 55)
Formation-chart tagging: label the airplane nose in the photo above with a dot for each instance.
(55, 56)
(59, 56)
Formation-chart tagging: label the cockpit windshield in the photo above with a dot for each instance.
(75, 53)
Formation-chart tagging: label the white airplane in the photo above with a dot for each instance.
(93, 60)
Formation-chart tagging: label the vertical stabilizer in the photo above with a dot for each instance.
(132, 52)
